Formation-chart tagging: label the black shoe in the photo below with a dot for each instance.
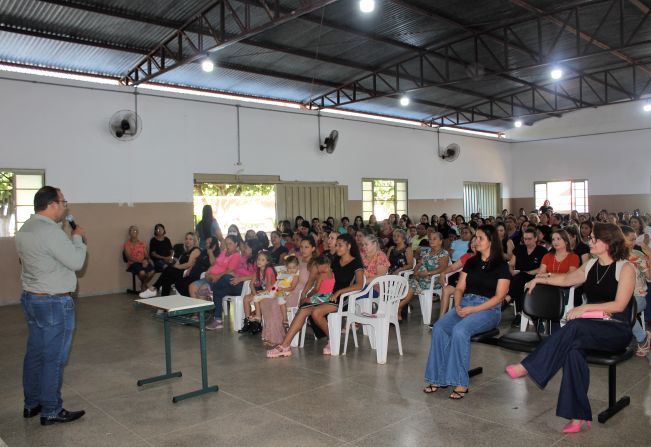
(256, 327)
(246, 327)
(27, 413)
(516, 321)
(63, 416)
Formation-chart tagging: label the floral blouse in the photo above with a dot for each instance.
(371, 264)
(431, 262)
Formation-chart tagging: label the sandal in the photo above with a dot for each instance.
(431, 388)
(279, 351)
(458, 395)
(326, 349)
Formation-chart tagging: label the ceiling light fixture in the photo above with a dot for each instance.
(556, 73)
(207, 66)
(367, 6)
(518, 123)
(404, 101)
(647, 107)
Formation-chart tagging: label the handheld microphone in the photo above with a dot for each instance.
(71, 220)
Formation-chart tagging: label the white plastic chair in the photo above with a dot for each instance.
(392, 289)
(238, 306)
(427, 296)
(335, 319)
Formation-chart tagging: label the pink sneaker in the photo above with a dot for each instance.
(279, 351)
(326, 349)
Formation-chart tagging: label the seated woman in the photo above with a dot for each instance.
(160, 249)
(576, 245)
(560, 259)
(448, 285)
(482, 286)
(526, 260)
(349, 277)
(225, 264)
(137, 258)
(608, 283)
(375, 261)
(642, 275)
(432, 262)
(386, 234)
(278, 250)
(179, 273)
(231, 285)
(401, 255)
(273, 330)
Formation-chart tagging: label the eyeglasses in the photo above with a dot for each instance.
(64, 202)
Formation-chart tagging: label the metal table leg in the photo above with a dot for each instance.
(168, 358)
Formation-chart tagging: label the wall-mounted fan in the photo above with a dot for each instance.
(125, 125)
(330, 142)
(450, 152)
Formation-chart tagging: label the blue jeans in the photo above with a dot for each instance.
(449, 353)
(51, 322)
(222, 288)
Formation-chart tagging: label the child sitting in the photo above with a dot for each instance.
(274, 310)
(324, 286)
(265, 278)
(285, 284)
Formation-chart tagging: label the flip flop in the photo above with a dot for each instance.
(431, 388)
(458, 395)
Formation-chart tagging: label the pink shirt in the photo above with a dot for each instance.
(327, 285)
(371, 264)
(244, 268)
(224, 263)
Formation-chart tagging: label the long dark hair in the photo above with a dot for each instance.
(255, 248)
(354, 249)
(206, 222)
(496, 254)
(310, 240)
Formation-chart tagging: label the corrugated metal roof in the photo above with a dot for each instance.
(109, 37)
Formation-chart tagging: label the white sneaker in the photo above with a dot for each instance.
(148, 293)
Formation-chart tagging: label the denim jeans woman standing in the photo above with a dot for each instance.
(483, 284)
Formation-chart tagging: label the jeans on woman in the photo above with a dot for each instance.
(449, 354)
(638, 332)
(51, 322)
(222, 288)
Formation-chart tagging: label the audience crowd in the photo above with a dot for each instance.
(299, 273)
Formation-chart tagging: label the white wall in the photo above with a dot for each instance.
(64, 130)
(612, 151)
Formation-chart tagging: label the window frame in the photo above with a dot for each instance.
(397, 210)
(13, 205)
(573, 206)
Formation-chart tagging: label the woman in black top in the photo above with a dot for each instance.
(608, 282)
(277, 250)
(348, 271)
(526, 258)
(401, 256)
(176, 274)
(482, 286)
(160, 248)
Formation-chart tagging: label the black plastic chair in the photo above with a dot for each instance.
(611, 360)
(488, 337)
(545, 303)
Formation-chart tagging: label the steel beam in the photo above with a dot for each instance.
(185, 46)
(442, 61)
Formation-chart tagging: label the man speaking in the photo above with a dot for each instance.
(49, 262)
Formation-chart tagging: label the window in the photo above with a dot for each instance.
(249, 206)
(383, 197)
(17, 189)
(564, 196)
(479, 197)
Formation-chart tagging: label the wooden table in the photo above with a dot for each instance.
(174, 306)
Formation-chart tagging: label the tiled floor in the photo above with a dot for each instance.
(307, 399)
